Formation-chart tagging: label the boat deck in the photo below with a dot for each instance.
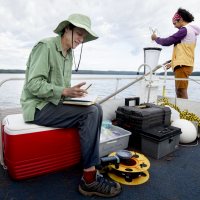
(174, 177)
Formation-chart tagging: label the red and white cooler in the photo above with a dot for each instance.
(30, 150)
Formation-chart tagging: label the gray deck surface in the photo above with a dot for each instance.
(174, 177)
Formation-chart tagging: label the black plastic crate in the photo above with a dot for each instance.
(136, 122)
(144, 116)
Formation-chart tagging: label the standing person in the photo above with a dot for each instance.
(48, 81)
(184, 41)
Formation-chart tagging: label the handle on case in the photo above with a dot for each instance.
(136, 99)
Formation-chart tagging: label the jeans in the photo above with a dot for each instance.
(87, 119)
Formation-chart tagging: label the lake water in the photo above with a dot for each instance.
(10, 91)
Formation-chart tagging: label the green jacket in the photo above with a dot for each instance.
(48, 73)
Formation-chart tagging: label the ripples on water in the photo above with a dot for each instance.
(10, 91)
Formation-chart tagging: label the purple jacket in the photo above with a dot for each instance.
(173, 39)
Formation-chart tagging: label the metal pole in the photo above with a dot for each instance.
(10, 79)
(131, 83)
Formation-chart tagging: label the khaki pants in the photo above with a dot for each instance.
(182, 72)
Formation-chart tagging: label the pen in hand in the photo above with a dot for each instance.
(88, 87)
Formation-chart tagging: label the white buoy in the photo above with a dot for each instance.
(174, 114)
(189, 131)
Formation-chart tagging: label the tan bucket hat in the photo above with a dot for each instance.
(78, 20)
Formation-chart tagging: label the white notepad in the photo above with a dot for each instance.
(84, 101)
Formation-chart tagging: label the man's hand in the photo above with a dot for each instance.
(75, 91)
(153, 36)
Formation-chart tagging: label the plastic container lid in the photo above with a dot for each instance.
(160, 133)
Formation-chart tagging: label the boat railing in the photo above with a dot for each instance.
(197, 81)
(117, 79)
(16, 109)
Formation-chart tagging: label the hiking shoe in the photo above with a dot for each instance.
(100, 187)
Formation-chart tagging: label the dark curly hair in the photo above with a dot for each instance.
(186, 15)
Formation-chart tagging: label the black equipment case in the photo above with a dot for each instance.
(143, 116)
(150, 127)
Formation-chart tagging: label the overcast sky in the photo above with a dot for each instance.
(122, 27)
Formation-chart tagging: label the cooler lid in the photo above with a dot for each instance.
(14, 125)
